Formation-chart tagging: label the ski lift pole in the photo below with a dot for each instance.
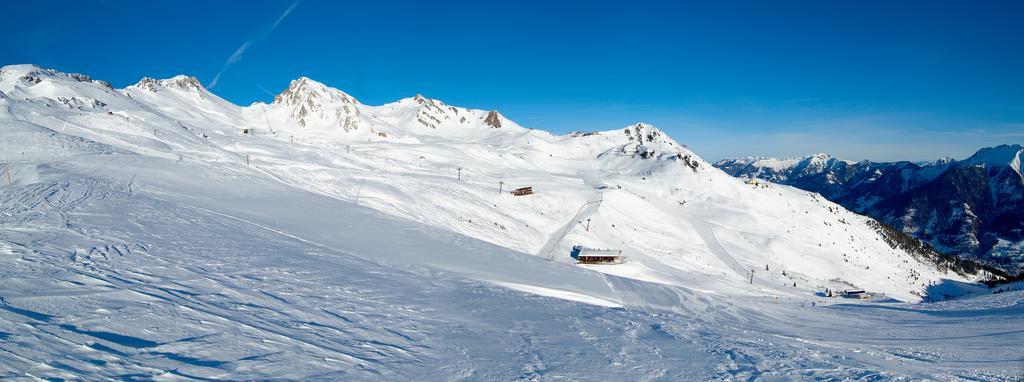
(266, 119)
(359, 190)
(551, 251)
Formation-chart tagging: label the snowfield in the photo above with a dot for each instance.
(160, 232)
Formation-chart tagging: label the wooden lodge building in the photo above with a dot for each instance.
(523, 191)
(584, 255)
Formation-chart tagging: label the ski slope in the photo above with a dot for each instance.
(138, 243)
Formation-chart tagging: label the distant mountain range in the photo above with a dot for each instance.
(972, 208)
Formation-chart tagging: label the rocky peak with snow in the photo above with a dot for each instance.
(432, 113)
(643, 137)
(781, 170)
(67, 91)
(313, 104)
(27, 75)
(642, 148)
(642, 133)
(1000, 155)
(317, 108)
(997, 157)
(944, 161)
(816, 161)
(180, 82)
(306, 92)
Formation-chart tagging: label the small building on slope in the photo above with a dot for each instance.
(523, 191)
(584, 255)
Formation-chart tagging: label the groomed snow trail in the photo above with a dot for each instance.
(553, 242)
(707, 232)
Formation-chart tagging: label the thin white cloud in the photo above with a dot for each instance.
(283, 15)
(237, 55)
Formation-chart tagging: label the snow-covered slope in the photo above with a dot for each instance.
(636, 190)
(124, 266)
(316, 231)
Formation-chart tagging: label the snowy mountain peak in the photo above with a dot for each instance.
(817, 163)
(420, 99)
(997, 157)
(428, 103)
(759, 162)
(432, 113)
(27, 70)
(819, 157)
(1002, 155)
(306, 91)
(27, 75)
(941, 162)
(811, 164)
(22, 68)
(645, 142)
(181, 82)
(67, 91)
(644, 133)
(308, 103)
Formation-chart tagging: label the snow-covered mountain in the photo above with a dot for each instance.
(315, 233)
(973, 208)
(669, 211)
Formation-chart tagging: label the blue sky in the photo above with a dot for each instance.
(882, 80)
